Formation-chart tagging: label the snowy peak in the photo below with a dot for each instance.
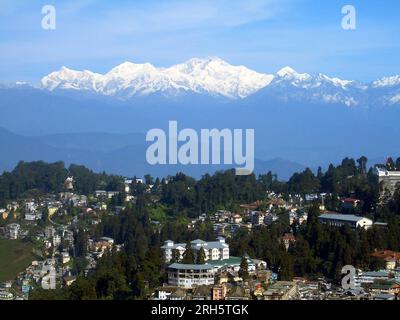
(129, 69)
(290, 85)
(387, 82)
(287, 72)
(335, 81)
(387, 89)
(211, 75)
(307, 80)
(195, 65)
(216, 77)
(66, 78)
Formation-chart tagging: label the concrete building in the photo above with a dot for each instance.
(388, 180)
(33, 216)
(218, 292)
(65, 257)
(56, 240)
(30, 206)
(282, 290)
(49, 231)
(338, 220)
(369, 277)
(297, 216)
(233, 264)
(190, 275)
(391, 286)
(14, 230)
(69, 183)
(214, 250)
(6, 295)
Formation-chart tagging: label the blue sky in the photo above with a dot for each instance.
(264, 35)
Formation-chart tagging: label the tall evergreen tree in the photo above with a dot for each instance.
(244, 269)
(81, 241)
(398, 164)
(176, 256)
(188, 256)
(201, 256)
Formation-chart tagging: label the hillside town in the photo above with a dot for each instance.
(60, 230)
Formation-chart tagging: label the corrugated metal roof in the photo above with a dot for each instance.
(190, 266)
(342, 217)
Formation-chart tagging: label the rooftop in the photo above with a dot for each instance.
(383, 172)
(232, 261)
(375, 274)
(385, 254)
(220, 244)
(342, 217)
(190, 266)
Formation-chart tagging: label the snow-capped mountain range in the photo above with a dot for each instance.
(213, 76)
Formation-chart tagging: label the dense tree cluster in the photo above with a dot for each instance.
(319, 250)
(49, 178)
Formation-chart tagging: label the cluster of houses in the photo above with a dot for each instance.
(54, 237)
(218, 279)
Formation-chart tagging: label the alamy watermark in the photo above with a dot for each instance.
(349, 279)
(187, 148)
(49, 18)
(349, 21)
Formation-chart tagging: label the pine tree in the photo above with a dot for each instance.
(201, 256)
(81, 239)
(176, 256)
(362, 165)
(390, 164)
(244, 269)
(188, 256)
(398, 164)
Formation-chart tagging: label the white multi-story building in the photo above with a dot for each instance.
(14, 230)
(388, 179)
(127, 184)
(30, 206)
(48, 281)
(299, 217)
(214, 250)
(49, 231)
(190, 275)
(65, 257)
(56, 240)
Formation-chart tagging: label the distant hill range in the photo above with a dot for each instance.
(122, 154)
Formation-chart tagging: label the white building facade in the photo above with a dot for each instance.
(388, 180)
(338, 220)
(214, 250)
(190, 275)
